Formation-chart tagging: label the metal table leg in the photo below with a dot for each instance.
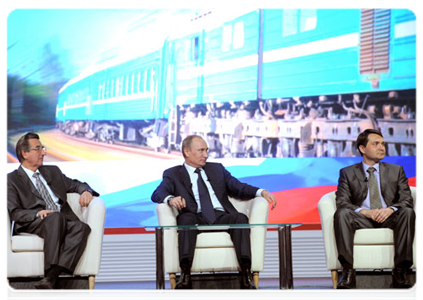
(285, 257)
(160, 282)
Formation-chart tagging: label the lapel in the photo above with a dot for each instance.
(361, 177)
(186, 181)
(382, 170)
(27, 182)
(211, 177)
(49, 179)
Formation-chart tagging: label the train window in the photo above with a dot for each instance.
(137, 83)
(289, 22)
(117, 87)
(107, 89)
(298, 20)
(112, 88)
(126, 85)
(195, 48)
(226, 38)
(121, 86)
(131, 90)
(308, 19)
(147, 79)
(99, 91)
(103, 90)
(142, 81)
(238, 35)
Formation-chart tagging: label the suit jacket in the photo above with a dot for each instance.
(176, 182)
(352, 186)
(24, 201)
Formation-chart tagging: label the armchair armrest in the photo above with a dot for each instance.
(259, 215)
(327, 208)
(94, 215)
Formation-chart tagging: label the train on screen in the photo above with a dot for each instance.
(263, 83)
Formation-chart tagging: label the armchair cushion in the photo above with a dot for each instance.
(27, 243)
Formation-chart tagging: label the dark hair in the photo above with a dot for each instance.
(23, 144)
(363, 138)
(187, 142)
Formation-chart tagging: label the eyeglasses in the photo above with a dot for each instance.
(39, 149)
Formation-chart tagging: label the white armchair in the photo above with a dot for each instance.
(373, 248)
(214, 250)
(25, 257)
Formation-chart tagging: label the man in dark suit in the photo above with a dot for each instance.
(36, 201)
(199, 191)
(373, 194)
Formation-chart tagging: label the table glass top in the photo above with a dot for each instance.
(223, 226)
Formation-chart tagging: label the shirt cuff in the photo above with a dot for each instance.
(258, 193)
(166, 200)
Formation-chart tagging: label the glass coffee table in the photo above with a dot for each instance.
(284, 246)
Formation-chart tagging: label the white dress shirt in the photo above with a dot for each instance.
(376, 173)
(194, 177)
(34, 181)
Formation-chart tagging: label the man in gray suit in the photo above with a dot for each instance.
(373, 194)
(36, 201)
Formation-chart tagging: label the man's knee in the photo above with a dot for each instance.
(55, 219)
(407, 213)
(342, 214)
(187, 219)
(240, 218)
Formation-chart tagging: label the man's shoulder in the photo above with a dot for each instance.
(49, 167)
(352, 167)
(173, 169)
(12, 175)
(390, 166)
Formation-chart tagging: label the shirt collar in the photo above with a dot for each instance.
(366, 166)
(29, 172)
(189, 168)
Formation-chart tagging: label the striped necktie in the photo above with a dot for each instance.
(50, 205)
(375, 201)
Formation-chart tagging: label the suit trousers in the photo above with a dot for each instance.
(187, 239)
(402, 222)
(64, 240)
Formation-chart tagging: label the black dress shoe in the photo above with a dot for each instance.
(44, 284)
(184, 281)
(347, 280)
(247, 280)
(400, 279)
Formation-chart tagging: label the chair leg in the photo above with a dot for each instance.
(334, 278)
(172, 279)
(91, 281)
(256, 278)
(6, 287)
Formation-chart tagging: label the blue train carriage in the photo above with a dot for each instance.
(117, 100)
(216, 73)
(332, 73)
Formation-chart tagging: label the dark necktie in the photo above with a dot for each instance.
(375, 201)
(205, 200)
(50, 205)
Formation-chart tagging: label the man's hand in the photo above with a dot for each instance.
(378, 215)
(85, 199)
(177, 202)
(44, 213)
(269, 197)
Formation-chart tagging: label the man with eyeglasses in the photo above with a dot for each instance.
(36, 201)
